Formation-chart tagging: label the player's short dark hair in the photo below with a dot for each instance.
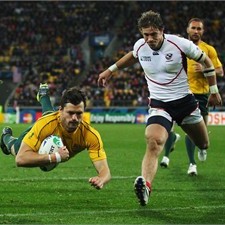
(74, 96)
(196, 20)
(150, 19)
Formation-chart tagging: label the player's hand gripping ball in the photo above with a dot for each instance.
(50, 145)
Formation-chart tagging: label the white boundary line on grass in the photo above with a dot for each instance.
(110, 211)
(59, 178)
(34, 179)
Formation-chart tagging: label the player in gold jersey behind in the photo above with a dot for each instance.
(77, 135)
(199, 87)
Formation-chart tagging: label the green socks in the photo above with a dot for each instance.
(46, 105)
(169, 143)
(9, 141)
(190, 146)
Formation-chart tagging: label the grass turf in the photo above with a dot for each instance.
(64, 196)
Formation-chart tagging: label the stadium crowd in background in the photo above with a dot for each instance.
(42, 39)
(175, 14)
(48, 49)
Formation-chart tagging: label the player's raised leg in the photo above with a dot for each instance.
(44, 99)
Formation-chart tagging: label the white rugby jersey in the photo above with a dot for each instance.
(166, 69)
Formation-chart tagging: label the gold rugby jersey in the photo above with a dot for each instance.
(84, 137)
(198, 83)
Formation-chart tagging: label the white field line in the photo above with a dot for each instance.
(59, 178)
(118, 211)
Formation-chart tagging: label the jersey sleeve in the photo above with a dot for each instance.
(95, 148)
(214, 57)
(40, 130)
(191, 50)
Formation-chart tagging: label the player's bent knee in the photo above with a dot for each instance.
(155, 144)
(157, 140)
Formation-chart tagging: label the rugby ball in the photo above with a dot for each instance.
(50, 145)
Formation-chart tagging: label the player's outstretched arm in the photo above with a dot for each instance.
(27, 157)
(103, 174)
(125, 61)
(210, 74)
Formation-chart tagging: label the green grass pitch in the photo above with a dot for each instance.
(64, 196)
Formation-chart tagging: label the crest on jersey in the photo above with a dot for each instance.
(169, 56)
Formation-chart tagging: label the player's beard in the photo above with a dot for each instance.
(69, 126)
(195, 38)
(72, 126)
(152, 46)
(156, 44)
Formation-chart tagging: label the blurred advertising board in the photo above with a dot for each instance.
(99, 115)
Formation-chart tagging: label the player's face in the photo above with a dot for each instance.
(71, 116)
(153, 37)
(195, 31)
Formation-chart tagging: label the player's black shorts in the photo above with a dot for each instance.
(202, 99)
(177, 110)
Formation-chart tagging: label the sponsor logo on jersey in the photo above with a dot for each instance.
(145, 58)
